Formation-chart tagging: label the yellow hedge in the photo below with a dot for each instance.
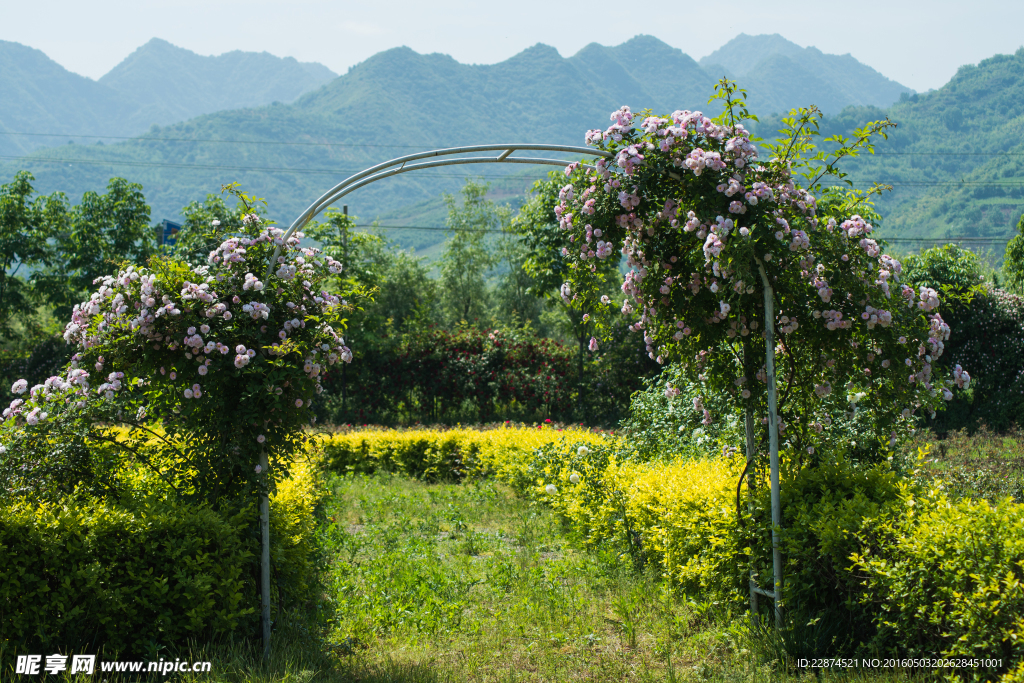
(449, 454)
(679, 515)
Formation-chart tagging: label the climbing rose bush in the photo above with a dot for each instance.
(214, 362)
(699, 216)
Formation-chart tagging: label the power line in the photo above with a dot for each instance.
(232, 142)
(332, 171)
(444, 229)
(972, 240)
(217, 167)
(976, 240)
(143, 138)
(940, 154)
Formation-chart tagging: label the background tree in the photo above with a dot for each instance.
(468, 254)
(547, 264)
(50, 252)
(515, 303)
(24, 249)
(987, 333)
(91, 238)
(1013, 261)
(395, 286)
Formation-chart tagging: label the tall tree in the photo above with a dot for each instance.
(92, 238)
(1013, 262)
(547, 263)
(23, 247)
(467, 255)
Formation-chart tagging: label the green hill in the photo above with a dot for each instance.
(394, 103)
(39, 95)
(170, 84)
(157, 84)
(776, 73)
(956, 158)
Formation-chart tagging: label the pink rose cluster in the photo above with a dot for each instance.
(699, 219)
(183, 322)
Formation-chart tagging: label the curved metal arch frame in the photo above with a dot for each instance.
(387, 169)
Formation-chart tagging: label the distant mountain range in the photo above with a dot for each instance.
(394, 103)
(955, 161)
(777, 74)
(158, 84)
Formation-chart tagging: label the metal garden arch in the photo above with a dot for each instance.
(413, 162)
(404, 165)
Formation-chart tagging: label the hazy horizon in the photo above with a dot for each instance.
(917, 50)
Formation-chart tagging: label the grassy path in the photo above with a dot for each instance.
(485, 586)
(433, 583)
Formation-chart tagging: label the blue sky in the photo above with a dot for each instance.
(920, 44)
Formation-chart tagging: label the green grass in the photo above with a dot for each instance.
(444, 582)
(980, 465)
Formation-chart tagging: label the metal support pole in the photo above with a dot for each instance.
(751, 478)
(265, 558)
(773, 440)
(344, 377)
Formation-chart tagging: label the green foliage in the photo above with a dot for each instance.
(516, 302)
(23, 245)
(102, 231)
(986, 338)
(465, 375)
(51, 251)
(33, 354)
(946, 580)
(547, 266)
(467, 254)
(1013, 261)
(950, 269)
(392, 286)
(673, 515)
(206, 225)
(536, 222)
(87, 574)
(824, 507)
(662, 419)
(74, 452)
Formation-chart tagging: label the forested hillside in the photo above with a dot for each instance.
(776, 73)
(41, 96)
(157, 84)
(396, 102)
(955, 158)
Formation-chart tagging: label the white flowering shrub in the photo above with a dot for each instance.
(206, 363)
(698, 215)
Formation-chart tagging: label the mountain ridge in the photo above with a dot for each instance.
(393, 103)
(157, 84)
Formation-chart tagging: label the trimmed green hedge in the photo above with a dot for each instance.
(94, 575)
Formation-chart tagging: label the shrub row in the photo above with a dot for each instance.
(92, 574)
(472, 375)
(450, 454)
(145, 574)
(874, 563)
